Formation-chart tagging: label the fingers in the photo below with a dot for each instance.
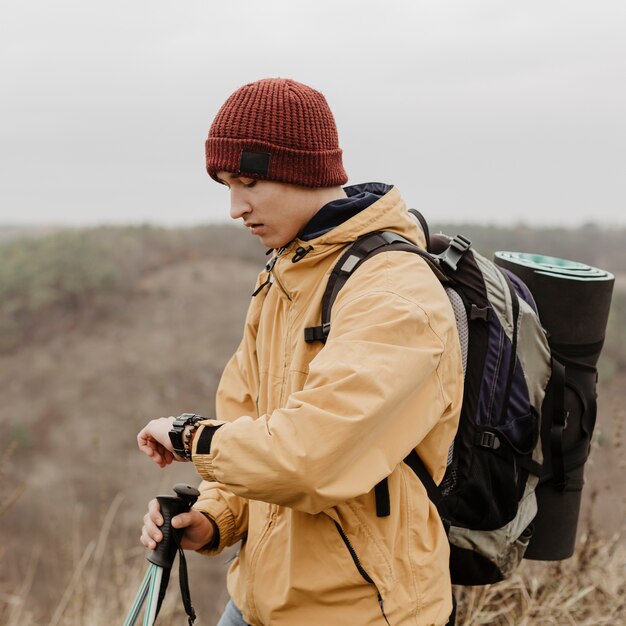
(146, 444)
(152, 520)
(199, 529)
(160, 455)
(154, 511)
(153, 441)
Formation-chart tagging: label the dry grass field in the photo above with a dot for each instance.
(90, 357)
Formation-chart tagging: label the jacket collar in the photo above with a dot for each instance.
(358, 198)
(389, 212)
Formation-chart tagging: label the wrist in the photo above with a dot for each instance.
(214, 541)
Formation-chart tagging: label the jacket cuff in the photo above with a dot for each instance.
(201, 448)
(225, 523)
(204, 437)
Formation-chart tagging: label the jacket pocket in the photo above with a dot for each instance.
(362, 571)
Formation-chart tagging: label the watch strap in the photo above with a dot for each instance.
(177, 432)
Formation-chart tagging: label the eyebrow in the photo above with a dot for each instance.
(230, 176)
(235, 176)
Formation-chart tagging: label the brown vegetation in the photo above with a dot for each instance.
(90, 355)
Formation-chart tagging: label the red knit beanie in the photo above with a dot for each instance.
(276, 129)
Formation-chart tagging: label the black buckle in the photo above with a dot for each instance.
(317, 333)
(451, 256)
(481, 313)
(487, 439)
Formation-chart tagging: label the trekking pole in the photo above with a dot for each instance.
(154, 585)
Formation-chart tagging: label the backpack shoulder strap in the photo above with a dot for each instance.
(359, 251)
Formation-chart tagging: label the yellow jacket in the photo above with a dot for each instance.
(309, 430)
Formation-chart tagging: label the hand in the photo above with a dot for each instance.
(154, 441)
(199, 529)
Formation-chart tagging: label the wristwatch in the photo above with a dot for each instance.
(177, 431)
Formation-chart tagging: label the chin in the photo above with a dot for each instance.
(272, 243)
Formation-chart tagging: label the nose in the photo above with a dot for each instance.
(238, 206)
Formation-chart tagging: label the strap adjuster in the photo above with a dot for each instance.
(317, 333)
(481, 313)
(487, 439)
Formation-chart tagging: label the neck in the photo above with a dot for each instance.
(324, 195)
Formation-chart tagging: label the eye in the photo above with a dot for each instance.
(250, 184)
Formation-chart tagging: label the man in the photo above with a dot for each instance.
(304, 431)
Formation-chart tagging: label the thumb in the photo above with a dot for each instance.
(182, 520)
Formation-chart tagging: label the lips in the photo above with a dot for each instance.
(253, 227)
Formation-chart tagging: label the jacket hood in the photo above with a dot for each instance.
(369, 207)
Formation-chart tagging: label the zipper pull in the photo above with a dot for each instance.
(270, 264)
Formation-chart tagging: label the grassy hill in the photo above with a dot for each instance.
(102, 329)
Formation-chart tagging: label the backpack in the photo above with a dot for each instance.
(487, 497)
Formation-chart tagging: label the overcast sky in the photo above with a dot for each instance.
(478, 110)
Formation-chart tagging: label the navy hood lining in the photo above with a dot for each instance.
(338, 211)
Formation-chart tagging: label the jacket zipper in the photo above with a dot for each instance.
(269, 266)
(273, 278)
(361, 569)
(254, 557)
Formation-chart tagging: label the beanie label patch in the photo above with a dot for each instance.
(254, 163)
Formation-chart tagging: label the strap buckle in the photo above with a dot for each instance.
(481, 313)
(487, 439)
(317, 333)
(451, 256)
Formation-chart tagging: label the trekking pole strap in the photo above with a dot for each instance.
(183, 579)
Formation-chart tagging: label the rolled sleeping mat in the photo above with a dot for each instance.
(573, 301)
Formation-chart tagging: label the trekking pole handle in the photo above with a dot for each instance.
(171, 506)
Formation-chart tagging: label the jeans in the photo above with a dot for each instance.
(231, 616)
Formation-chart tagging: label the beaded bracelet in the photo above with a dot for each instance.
(191, 431)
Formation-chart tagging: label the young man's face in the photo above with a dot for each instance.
(274, 212)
